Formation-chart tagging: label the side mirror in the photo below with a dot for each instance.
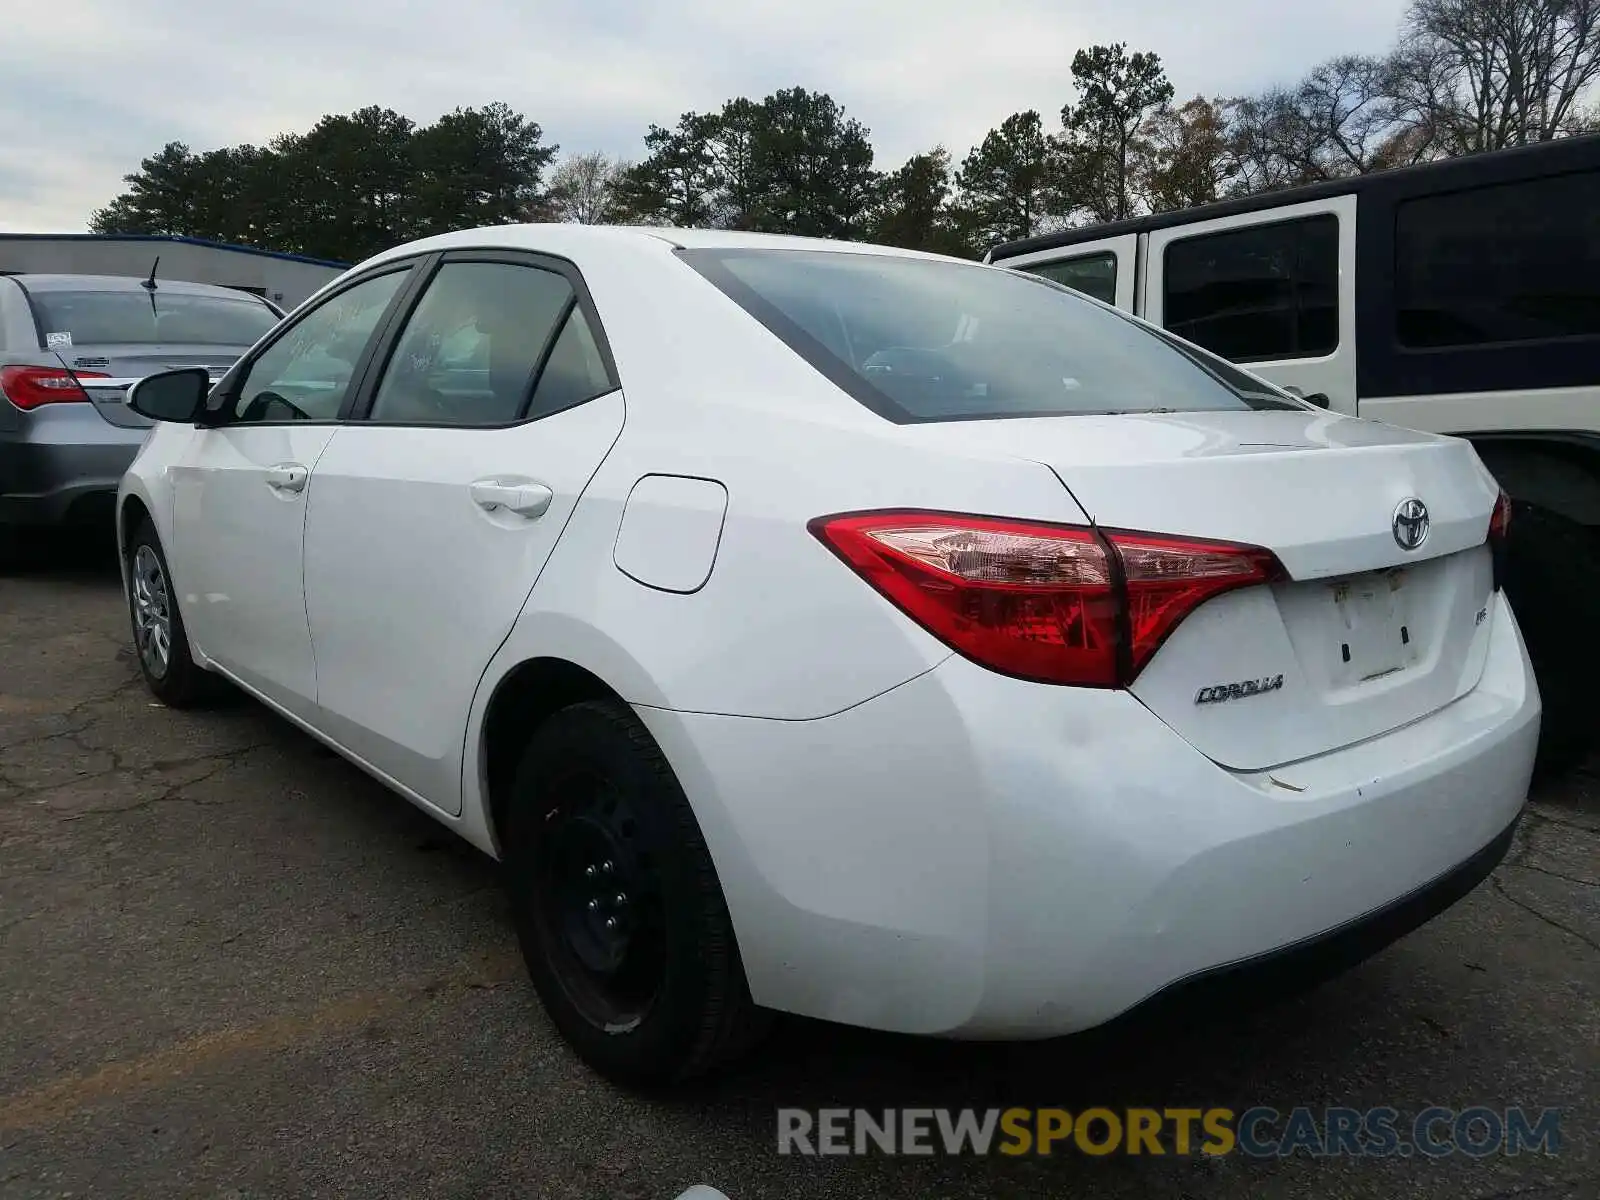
(1320, 399)
(171, 395)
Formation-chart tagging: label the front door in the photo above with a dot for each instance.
(241, 488)
(1273, 291)
(434, 510)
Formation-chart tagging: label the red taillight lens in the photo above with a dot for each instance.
(1499, 531)
(1500, 519)
(31, 387)
(1168, 578)
(1052, 603)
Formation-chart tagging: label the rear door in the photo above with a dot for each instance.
(1106, 269)
(434, 511)
(1273, 291)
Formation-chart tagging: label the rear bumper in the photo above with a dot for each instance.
(975, 856)
(1325, 955)
(63, 464)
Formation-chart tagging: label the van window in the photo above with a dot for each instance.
(1515, 262)
(1257, 293)
(1092, 274)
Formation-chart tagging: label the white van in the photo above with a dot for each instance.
(1458, 297)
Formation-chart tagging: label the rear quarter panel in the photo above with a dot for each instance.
(781, 629)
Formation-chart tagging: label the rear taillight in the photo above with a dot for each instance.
(1052, 603)
(32, 387)
(1500, 519)
(1499, 531)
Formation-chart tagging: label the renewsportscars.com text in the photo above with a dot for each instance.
(1259, 1132)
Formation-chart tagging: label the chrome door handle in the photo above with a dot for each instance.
(524, 499)
(287, 477)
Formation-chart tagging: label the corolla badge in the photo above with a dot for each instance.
(1410, 523)
(1221, 693)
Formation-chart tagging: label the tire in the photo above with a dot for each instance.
(19, 549)
(172, 676)
(599, 830)
(1552, 580)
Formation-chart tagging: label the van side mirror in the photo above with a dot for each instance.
(1320, 399)
(171, 395)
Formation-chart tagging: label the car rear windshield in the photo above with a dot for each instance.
(99, 318)
(928, 340)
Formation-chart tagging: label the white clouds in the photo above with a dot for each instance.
(87, 88)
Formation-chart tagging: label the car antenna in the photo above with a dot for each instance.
(149, 285)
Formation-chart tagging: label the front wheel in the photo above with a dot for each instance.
(159, 639)
(618, 910)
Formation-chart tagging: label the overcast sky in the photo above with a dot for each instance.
(89, 87)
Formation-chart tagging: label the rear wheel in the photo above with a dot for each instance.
(159, 639)
(19, 548)
(618, 910)
(1552, 580)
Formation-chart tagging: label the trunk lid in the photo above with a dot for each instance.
(127, 363)
(1366, 636)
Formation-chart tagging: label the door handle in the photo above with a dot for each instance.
(528, 500)
(287, 477)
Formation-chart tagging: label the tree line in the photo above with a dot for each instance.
(1465, 76)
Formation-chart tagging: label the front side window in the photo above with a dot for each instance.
(928, 340)
(1092, 274)
(307, 373)
(1259, 293)
(149, 318)
(470, 350)
(1516, 262)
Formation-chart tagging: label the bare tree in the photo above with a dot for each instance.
(1504, 72)
(1347, 117)
(1182, 155)
(583, 188)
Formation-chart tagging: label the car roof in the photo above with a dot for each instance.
(564, 238)
(44, 282)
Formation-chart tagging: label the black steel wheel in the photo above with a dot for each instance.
(621, 920)
(600, 918)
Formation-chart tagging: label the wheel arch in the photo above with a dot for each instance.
(130, 512)
(550, 660)
(525, 697)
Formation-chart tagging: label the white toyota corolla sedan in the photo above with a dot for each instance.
(843, 631)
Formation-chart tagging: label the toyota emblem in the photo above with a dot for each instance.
(1410, 523)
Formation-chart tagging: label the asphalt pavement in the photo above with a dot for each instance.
(233, 966)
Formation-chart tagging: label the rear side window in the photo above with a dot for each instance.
(1257, 294)
(1516, 262)
(1092, 274)
(140, 318)
(932, 340)
(574, 372)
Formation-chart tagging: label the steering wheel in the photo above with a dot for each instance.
(261, 406)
